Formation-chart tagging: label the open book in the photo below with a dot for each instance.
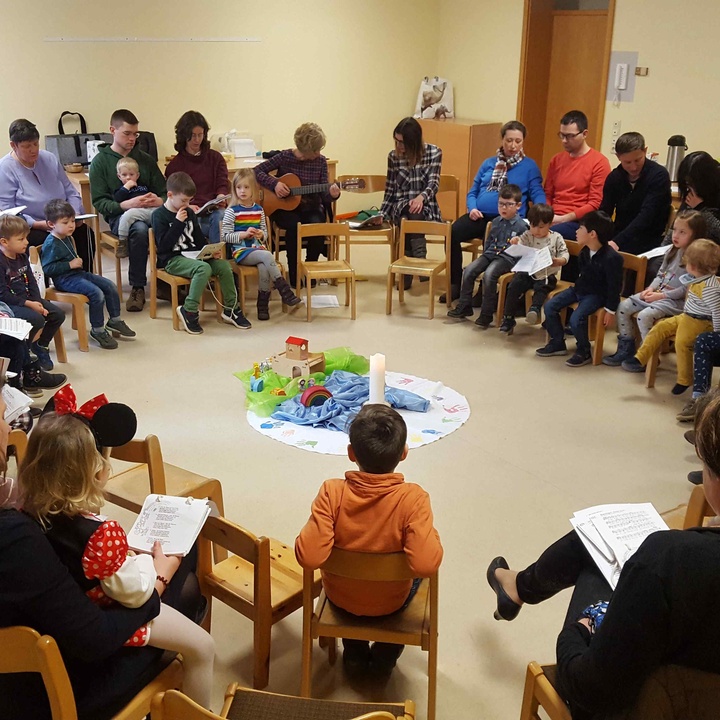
(210, 205)
(174, 521)
(13, 211)
(374, 221)
(531, 261)
(16, 402)
(15, 327)
(655, 252)
(206, 252)
(612, 533)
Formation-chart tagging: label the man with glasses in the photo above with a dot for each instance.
(104, 182)
(575, 177)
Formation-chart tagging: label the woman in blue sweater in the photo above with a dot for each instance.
(508, 165)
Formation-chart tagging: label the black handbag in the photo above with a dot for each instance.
(72, 148)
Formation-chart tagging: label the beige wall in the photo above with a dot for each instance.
(681, 94)
(353, 67)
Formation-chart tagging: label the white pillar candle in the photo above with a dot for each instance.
(377, 378)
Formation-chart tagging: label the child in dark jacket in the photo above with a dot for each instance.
(177, 231)
(61, 264)
(598, 285)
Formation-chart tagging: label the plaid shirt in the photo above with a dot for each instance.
(404, 183)
(310, 172)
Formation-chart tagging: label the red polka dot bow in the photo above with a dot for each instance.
(66, 403)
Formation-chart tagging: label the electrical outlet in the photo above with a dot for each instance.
(616, 130)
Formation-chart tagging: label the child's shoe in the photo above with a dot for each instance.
(460, 311)
(118, 326)
(508, 325)
(626, 349)
(263, 305)
(679, 389)
(104, 339)
(633, 365)
(35, 380)
(552, 349)
(190, 321)
(579, 359)
(687, 414)
(484, 322)
(533, 315)
(286, 292)
(43, 356)
(235, 317)
(121, 251)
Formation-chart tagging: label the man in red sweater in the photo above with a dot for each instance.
(575, 177)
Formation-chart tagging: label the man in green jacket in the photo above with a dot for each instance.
(104, 182)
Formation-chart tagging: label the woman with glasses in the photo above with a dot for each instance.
(205, 166)
(413, 178)
(32, 177)
(508, 166)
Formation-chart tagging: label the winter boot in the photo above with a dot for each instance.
(286, 293)
(625, 350)
(263, 302)
(418, 247)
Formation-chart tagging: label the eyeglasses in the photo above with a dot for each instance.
(507, 204)
(569, 136)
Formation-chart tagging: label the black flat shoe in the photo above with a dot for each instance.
(507, 609)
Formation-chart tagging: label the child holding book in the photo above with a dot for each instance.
(539, 236)
(701, 314)
(244, 228)
(19, 289)
(598, 285)
(61, 481)
(665, 296)
(62, 265)
(177, 230)
(372, 510)
(128, 172)
(494, 261)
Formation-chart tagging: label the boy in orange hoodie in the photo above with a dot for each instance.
(372, 510)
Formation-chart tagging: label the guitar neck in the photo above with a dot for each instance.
(310, 189)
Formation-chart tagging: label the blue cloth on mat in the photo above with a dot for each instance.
(350, 392)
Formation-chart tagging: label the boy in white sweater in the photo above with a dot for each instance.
(538, 236)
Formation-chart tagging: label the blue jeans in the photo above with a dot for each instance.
(587, 305)
(707, 355)
(98, 289)
(566, 229)
(137, 250)
(210, 225)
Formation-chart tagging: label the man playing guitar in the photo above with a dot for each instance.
(305, 161)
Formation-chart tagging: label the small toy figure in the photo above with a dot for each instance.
(278, 391)
(304, 384)
(256, 370)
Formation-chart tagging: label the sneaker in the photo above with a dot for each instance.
(508, 325)
(460, 311)
(687, 414)
(579, 359)
(43, 356)
(118, 326)
(484, 322)
(190, 321)
(552, 349)
(32, 392)
(235, 317)
(136, 301)
(104, 339)
(121, 251)
(533, 315)
(633, 365)
(679, 389)
(35, 379)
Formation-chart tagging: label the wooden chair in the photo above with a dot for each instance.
(174, 281)
(474, 247)
(541, 681)
(384, 235)
(333, 268)
(18, 440)
(420, 267)
(245, 703)
(25, 650)
(260, 579)
(450, 185)
(105, 240)
(416, 625)
(75, 300)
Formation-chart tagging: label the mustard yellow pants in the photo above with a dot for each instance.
(685, 329)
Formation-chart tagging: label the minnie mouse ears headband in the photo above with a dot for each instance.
(112, 424)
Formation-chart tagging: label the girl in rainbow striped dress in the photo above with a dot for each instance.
(244, 228)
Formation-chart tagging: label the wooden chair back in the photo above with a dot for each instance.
(25, 650)
(19, 440)
(337, 234)
(143, 452)
(636, 264)
(449, 189)
(368, 566)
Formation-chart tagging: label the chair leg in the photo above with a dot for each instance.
(651, 370)
(353, 301)
(530, 705)
(118, 277)
(431, 292)
(308, 297)
(81, 327)
(60, 346)
(174, 302)
(153, 296)
(599, 338)
(347, 292)
(306, 675)
(432, 677)
(219, 302)
(401, 289)
(389, 292)
(261, 654)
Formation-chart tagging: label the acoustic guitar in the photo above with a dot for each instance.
(271, 202)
